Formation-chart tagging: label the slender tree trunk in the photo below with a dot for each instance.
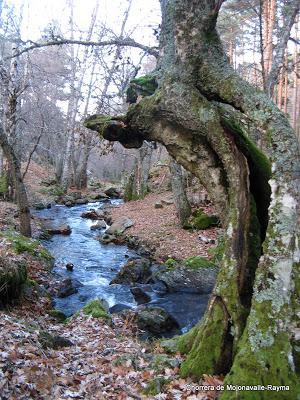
(59, 163)
(10, 113)
(182, 204)
(8, 143)
(68, 173)
(272, 58)
(295, 80)
(1, 162)
(280, 89)
(262, 36)
(291, 11)
(21, 195)
(137, 185)
(80, 172)
(231, 47)
(269, 19)
(81, 178)
(145, 156)
(286, 83)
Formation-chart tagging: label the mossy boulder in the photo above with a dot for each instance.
(170, 346)
(66, 287)
(59, 230)
(58, 315)
(161, 361)
(113, 193)
(105, 238)
(32, 291)
(93, 214)
(97, 309)
(200, 220)
(193, 275)
(137, 270)
(13, 275)
(156, 385)
(156, 320)
(99, 225)
(119, 226)
(53, 189)
(39, 206)
(140, 295)
(198, 262)
(171, 262)
(53, 342)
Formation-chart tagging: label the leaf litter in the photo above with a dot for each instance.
(106, 361)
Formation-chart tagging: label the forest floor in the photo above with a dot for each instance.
(159, 229)
(103, 362)
(100, 359)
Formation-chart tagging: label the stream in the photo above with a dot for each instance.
(96, 264)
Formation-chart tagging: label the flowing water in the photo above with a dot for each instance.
(96, 264)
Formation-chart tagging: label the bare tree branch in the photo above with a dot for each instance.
(32, 152)
(294, 40)
(121, 42)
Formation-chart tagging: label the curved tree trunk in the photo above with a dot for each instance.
(197, 113)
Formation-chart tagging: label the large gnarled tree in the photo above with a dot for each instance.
(200, 112)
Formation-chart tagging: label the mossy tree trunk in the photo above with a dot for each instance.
(182, 205)
(137, 184)
(19, 186)
(197, 112)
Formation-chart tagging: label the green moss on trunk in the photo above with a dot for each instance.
(269, 365)
(142, 86)
(184, 343)
(98, 122)
(131, 192)
(260, 170)
(207, 336)
(186, 115)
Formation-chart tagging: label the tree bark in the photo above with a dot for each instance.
(197, 113)
(291, 12)
(137, 185)
(8, 143)
(22, 200)
(69, 166)
(296, 80)
(182, 204)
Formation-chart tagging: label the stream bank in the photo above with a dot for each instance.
(97, 264)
